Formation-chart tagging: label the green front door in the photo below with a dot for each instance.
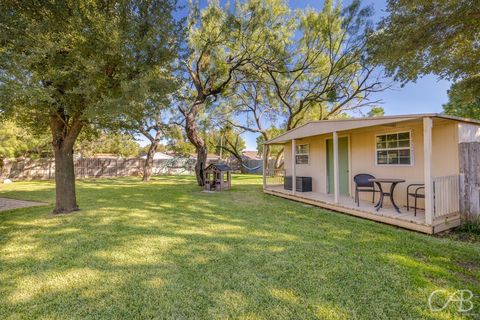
(343, 164)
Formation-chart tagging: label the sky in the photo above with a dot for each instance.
(426, 95)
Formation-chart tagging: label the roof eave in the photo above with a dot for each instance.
(400, 118)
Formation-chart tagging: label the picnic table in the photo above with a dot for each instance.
(393, 183)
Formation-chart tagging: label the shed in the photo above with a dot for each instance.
(218, 177)
(437, 152)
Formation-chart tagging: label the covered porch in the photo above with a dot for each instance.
(439, 209)
(405, 219)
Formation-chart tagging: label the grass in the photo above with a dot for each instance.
(167, 250)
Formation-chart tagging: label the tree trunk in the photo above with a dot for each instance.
(201, 164)
(66, 200)
(63, 139)
(200, 146)
(240, 162)
(147, 168)
(242, 168)
(266, 159)
(2, 163)
(278, 159)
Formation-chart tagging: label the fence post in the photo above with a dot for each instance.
(49, 169)
(265, 166)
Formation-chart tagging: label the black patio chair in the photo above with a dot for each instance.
(415, 194)
(362, 184)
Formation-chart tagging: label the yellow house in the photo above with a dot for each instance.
(323, 158)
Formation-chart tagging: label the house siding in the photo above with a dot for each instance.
(317, 164)
(363, 158)
(445, 151)
(469, 132)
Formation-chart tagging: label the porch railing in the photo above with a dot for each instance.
(275, 176)
(446, 193)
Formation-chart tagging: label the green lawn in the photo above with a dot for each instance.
(167, 250)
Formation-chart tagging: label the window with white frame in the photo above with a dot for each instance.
(301, 154)
(394, 149)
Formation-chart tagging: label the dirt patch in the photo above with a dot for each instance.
(459, 234)
(469, 265)
(9, 204)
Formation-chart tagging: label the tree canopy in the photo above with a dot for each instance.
(464, 98)
(119, 144)
(422, 37)
(321, 71)
(227, 141)
(376, 112)
(417, 38)
(325, 71)
(18, 142)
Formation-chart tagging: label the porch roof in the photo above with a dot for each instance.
(315, 128)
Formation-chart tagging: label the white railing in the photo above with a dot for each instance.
(446, 192)
(275, 176)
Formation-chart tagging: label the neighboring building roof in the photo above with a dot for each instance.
(251, 155)
(159, 156)
(315, 128)
(210, 156)
(219, 167)
(213, 156)
(105, 155)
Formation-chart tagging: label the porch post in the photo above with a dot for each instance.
(336, 184)
(427, 167)
(294, 173)
(265, 166)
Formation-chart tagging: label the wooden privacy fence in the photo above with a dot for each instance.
(105, 167)
(27, 169)
(446, 195)
(470, 179)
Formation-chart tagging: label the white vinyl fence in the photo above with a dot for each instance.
(275, 177)
(446, 192)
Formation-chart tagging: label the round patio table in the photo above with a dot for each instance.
(393, 183)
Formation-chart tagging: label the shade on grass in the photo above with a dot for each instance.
(167, 250)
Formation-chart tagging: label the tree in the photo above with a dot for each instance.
(439, 37)
(221, 42)
(227, 141)
(123, 145)
(152, 128)
(322, 73)
(178, 142)
(17, 142)
(150, 121)
(421, 37)
(272, 150)
(66, 64)
(326, 71)
(464, 98)
(376, 112)
(260, 110)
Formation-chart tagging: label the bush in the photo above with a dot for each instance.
(469, 231)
